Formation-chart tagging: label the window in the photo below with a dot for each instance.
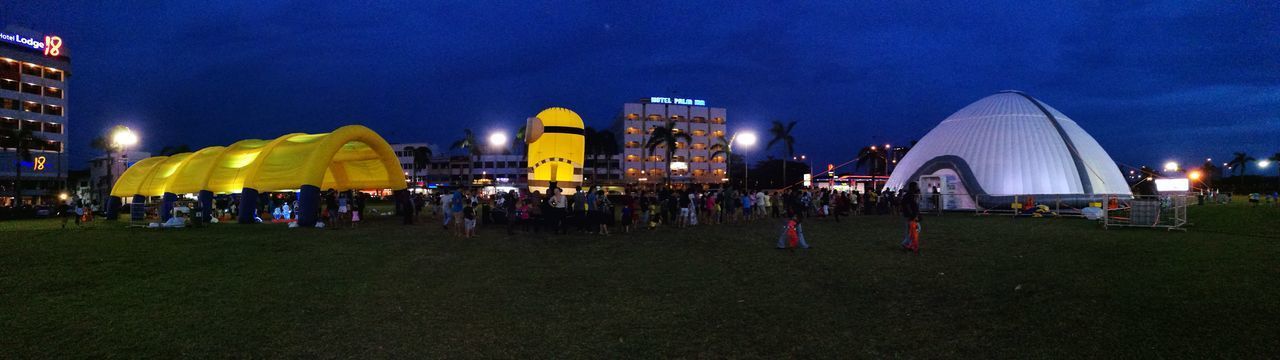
(10, 69)
(488, 164)
(10, 104)
(8, 123)
(699, 119)
(53, 92)
(513, 164)
(31, 88)
(7, 84)
(633, 116)
(31, 106)
(475, 164)
(53, 74)
(55, 128)
(52, 146)
(655, 117)
(502, 164)
(53, 110)
(31, 69)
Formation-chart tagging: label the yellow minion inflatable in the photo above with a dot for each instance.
(556, 139)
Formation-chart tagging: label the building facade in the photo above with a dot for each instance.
(33, 96)
(506, 170)
(691, 163)
(103, 173)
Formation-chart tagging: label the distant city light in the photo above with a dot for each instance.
(1171, 166)
(1264, 163)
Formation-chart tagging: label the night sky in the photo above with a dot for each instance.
(1152, 82)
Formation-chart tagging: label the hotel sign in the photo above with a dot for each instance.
(677, 101)
(51, 45)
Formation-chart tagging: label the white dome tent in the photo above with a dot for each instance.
(1006, 145)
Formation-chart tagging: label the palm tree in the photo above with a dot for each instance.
(782, 134)
(468, 143)
(870, 155)
(667, 137)
(1240, 162)
(591, 149)
(102, 143)
(22, 141)
(724, 147)
(607, 145)
(421, 159)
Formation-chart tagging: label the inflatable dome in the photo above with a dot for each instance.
(1009, 145)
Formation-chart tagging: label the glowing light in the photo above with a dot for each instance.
(1264, 163)
(124, 137)
(747, 139)
(52, 46)
(37, 163)
(1194, 175)
(62, 196)
(497, 139)
(1171, 166)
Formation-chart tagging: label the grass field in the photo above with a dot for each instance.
(984, 287)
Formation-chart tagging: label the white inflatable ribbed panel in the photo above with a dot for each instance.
(1013, 148)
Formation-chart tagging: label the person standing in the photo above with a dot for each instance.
(559, 205)
(469, 220)
(792, 234)
(457, 202)
(331, 206)
(911, 212)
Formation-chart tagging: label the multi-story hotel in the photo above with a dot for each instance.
(33, 96)
(690, 163)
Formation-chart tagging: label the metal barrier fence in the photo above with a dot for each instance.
(1167, 211)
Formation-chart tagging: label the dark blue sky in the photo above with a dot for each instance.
(1153, 81)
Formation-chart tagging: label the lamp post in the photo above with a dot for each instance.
(746, 139)
(121, 138)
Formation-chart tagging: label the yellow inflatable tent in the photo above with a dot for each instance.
(350, 158)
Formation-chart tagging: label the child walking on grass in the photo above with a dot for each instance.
(792, 235)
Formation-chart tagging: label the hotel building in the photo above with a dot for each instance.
(33, 96)
(690, 163)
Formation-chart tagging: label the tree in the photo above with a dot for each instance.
(591, 149)
(101, 142)
(22, 141)
(782, 134)
(468, 144)
(724, 147)
(1240, 163)
(421, 159)
(873, 156)
(174, 150)
(607, 145)
(666, 136)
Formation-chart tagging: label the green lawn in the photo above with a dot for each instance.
(985, 286)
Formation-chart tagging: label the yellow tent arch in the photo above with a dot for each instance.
(351, 157)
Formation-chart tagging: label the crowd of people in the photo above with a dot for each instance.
(596, 211)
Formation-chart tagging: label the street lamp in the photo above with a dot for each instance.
(497, 140)
(747, 139)
(1171, 166)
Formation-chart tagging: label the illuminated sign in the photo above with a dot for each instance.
(677, 101)
(1176, 185)
(50, 46)
(38, 163)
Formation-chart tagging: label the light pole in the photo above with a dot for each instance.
(121, 138)
(746, 139)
